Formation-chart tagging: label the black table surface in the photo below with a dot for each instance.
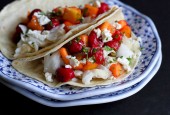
(153, 99)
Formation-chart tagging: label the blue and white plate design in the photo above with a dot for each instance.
(141, 25)
(104, 98)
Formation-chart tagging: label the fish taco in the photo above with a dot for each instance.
(32, 27)
(108, 52)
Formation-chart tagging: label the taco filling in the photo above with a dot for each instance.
(107, 52)
(41, 29)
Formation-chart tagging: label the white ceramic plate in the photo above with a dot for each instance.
(141, 25)
(105, 98)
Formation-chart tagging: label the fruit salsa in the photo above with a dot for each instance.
(42, 29)
(103, 53)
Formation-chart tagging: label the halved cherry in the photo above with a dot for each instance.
(75, 46)
(94, 41)
(64, 74)
(97, 54)
(117, 36)
(103, 8)
(113, 44)
(54, 23)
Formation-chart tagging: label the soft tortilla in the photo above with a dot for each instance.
(16, 12)
(34, 68)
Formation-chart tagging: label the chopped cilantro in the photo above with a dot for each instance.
(42, 13)
(114, 59)
(51, 23)
(81, 19)
(142, 48)
(130, 60)
(78, 39)
(86, 50)
(94, 50)
(107, 48)
(70, 42)
(85, 11)
(110, 61)
(121, 57)
(116, 36)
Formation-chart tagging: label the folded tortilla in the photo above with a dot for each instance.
(35, 68)
(17, 11)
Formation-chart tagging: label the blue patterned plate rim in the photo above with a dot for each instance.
(105, 98)
(97, 91)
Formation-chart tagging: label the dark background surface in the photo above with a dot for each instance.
(153, 99)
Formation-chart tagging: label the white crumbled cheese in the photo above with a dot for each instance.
(91, 59)
(73, 61)
(52, 63)
(125, 62)
(109, 60)
(83, 61)
(78, 73)
(106, 36)
(124, 51)
(98, 32)
(48, 77)
(56, 33)
(74, 79)
(35, 37)
(97, 3)
(42, 19)
(68, 66)
(117, 26)
(106, 53)
(38, 34)
(102, 73)
(23, 28)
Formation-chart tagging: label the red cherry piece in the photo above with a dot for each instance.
(32, 13)
(54, 23)
(117, 36)
(75, 46)
(103, 8)
(93, 40)
(64, 74)
(98, 55)
(113, 44)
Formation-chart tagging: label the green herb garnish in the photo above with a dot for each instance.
(107, 48)
(130, 60)
(42, 13)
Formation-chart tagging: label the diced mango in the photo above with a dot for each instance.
(90, 66)
(127, 31)
(63, 52)
(108, 26)
(34, 24)
(90, 11)
(122, 23)
(72, 14)
(116, 69)
(84, 38)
